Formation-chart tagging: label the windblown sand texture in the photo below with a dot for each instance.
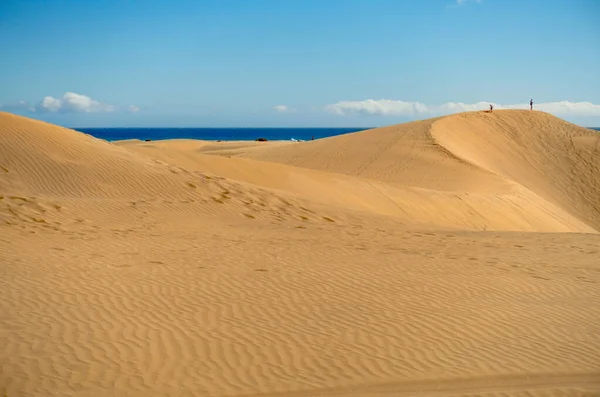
(456, 256)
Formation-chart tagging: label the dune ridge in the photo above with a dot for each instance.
(454, 256)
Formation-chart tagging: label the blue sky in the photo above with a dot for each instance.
(296, 62)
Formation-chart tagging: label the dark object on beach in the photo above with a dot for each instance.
(261, 139)
(313, 138)
(491, 108)
(531, 104)
(148, 140)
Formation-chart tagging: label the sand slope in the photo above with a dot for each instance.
(555, 159)
(403, 154)
(47, 170)
(424, 172)
(472, 152)
(217, 269)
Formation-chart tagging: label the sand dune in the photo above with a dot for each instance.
(403, 154)
(349, 266)
(467, 152)
(412, 171)
(553, 158)
(47, 169)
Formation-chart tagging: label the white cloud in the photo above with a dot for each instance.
(459, 3)
(19, 106)
(387, 107)
(383, 107)
(50, 104)
(74, 103)
(567, 108)
(70, 102)
(284, 109)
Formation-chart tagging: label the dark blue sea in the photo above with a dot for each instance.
(220, 134)
(216, 134)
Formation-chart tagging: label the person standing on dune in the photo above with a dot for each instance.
(531, 104)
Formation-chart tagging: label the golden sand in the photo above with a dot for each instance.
(456, 256)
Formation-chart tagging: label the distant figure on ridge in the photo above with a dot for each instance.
(491, 108)
(531, 104)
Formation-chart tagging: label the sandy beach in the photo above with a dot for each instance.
(454, 256)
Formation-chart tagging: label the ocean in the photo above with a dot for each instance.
(221, 134)
(216, 134)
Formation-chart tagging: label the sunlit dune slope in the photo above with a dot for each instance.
(555, 159)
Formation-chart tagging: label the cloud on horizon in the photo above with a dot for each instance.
(462, 2)
(284, 109)
(16, 107)
(388, 107)
(70, 102)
